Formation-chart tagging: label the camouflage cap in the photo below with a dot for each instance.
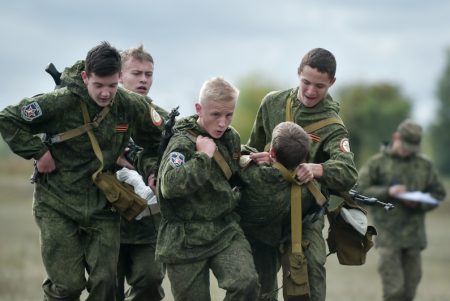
(410, 135)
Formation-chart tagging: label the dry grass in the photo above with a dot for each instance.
(21, 271)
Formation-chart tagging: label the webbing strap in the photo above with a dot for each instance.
(83, 128)
(296, 204)
(220, 160)
(217, 156)
(315, 191)
(289, 114)
(322, 123)
(314, 126)
(296, 208)
(296, 219)
(94, 143)
(311, 127)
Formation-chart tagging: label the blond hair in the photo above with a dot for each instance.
(218, 89)
(138, 53)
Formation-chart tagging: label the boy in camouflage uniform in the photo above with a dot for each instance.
(199, 230)
(138, 237)
(79, 231)
(396, 169)
(267, 221)
(330, 160)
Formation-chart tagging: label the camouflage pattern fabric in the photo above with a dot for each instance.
(418, 174)
(340, 173)
(401, 231)
(68, 192)
(143, 273)
(137, 261)
(339, 170)
(400, 271)
(233, 267)
(266, 221)
(197, 204)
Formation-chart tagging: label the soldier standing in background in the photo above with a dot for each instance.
(330, 159)
(79, 231)
(397, 169)
(199, 230)
(137, 262)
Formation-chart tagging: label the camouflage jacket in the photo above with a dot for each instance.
(142, 231)
(328, 143)
(69, 189)
(196, 199)
(402, 227)
(265, 204)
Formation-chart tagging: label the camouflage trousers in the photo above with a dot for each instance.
(70, 249)
(233, 267)
(268, 261)
(400, 271)
(143, 273)
(267, 264)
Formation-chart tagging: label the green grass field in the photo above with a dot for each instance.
(21, 270)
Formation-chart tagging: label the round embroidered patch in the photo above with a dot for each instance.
(345, 145)
(156, 118)
(176, 159)
(31, 111)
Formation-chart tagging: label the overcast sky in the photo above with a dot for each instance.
(401, 41)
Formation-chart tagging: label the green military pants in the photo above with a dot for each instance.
(233, 267)
(400, 271)
(70, 249)
(315, 253)
(267, 264)
(143, 273)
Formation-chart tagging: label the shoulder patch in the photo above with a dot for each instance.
(176, 159)
(31, 111)
(344, 145)
(156, 118)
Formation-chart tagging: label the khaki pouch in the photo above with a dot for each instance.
(349, 245)
(295, 276)
(121, 195)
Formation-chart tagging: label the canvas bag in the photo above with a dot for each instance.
(349, 245)
(121, 195)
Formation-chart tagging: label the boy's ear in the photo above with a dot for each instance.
(273, 154)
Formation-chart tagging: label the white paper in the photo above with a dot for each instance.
(418, 196)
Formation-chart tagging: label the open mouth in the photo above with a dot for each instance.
(141, 89)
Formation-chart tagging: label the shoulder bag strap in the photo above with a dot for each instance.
(94, 142)
(218, 157)
(81, 129)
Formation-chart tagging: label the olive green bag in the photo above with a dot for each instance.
(121, 195)
(349, 245)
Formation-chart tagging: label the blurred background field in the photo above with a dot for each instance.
(21, 270)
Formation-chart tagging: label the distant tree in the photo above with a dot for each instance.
(253, 88)
(371, 113)
(439, 130)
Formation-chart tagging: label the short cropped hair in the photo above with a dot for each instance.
(290, 143)
(320, 59)
(103, 60)
(138, 53)
(218, 89)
